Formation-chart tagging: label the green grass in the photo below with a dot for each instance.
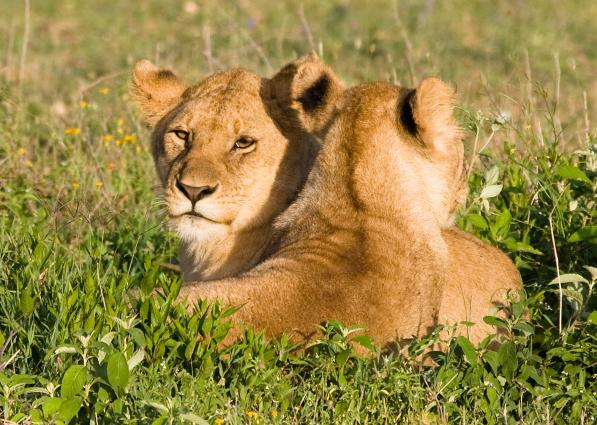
(80, 221)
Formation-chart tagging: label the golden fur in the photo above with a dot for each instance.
(368, 240)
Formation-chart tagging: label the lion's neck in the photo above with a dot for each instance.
(220, 254)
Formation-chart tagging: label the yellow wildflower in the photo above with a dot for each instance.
(129, 138)
(21, 151)
(118, 142)
(274, 413)
(72, 131)
(98, 184)
(219, 421)
(107, 139)
(104, 90)
(83, 104)
(75, 184)
(251, 414)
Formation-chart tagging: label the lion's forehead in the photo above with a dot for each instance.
(234, 80)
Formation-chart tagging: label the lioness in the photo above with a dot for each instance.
(365, 242)
(230, 160)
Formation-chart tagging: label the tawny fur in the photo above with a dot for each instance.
(367, 241)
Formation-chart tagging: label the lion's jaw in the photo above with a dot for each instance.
(211, 251)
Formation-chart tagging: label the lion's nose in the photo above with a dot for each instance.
(195, 193)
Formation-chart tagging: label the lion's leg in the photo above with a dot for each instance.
(271, 301)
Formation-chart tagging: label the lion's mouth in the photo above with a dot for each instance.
(193, 215)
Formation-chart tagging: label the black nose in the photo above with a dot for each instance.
(195, 193)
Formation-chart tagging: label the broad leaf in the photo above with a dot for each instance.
(73, 380)
(572, 173)
(588, 233)
(467, 348)
(568, 278)
(118, 371)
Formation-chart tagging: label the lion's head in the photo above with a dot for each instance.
(231, 154)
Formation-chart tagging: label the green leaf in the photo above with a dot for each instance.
(524, 247)
(118, 371)
(495, 321)
(188, 352)
(501, 223)
(568, 278)
(508, 360)
(467, 348)
(27, 300)
(69, 409)
(477, 220)
(491, 357)
(139, 337)
(593, 317)
(73, 380)
(365, 341)
(36, 416)
(16, 419)
(51, 406)
(72, 298)
(341, 407)
(194, 419)
(572, 294)
(525, 328)
(158, 406)
(587, 233)
(149, 278)
(571, 172)
(342, 356)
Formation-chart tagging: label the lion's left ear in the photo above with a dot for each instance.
(306, 90)
(156, 91)
(428, 113)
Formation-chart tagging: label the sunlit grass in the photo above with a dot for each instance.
(81, 220)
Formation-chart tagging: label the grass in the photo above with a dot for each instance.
(80, 223)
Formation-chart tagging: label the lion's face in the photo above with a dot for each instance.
(222, 159)
(231, 151)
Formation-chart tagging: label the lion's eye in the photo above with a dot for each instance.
(244, 142)
(181, 134)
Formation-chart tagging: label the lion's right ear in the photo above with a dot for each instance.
(427, 112)
(308, 90)
(156, 91)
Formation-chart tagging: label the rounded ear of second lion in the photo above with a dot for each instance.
(306, 90)
(156, 91)
(428, 113)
